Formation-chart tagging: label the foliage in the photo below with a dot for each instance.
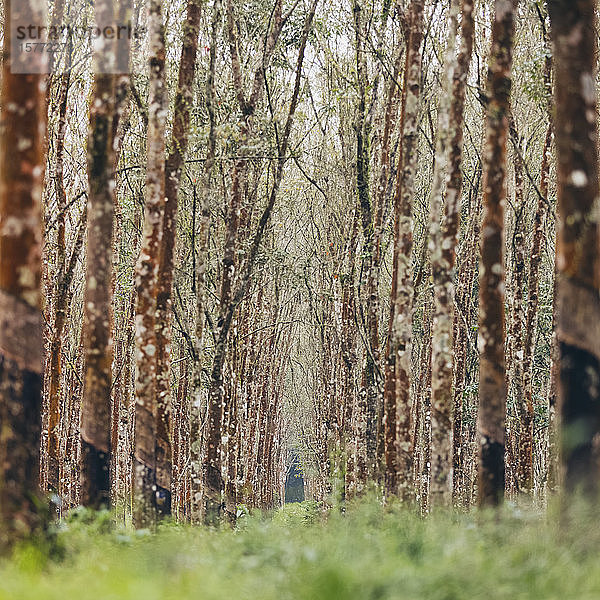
(365, 552)
(298, 514)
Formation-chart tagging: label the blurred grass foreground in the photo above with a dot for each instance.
(304, 552)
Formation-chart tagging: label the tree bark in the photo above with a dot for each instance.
(573, 30)
(492, 380)
(398, 403)
(442, 248)
(148, 499)
(21, 346)
(54, 364)
(64, 296)
(98, 347)
(201, 266)
(173, 172)
(515, 374)
(536, 248)
(463, 325)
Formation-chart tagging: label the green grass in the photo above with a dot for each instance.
(366, 553)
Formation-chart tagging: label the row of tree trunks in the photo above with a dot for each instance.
(229, 298)
(213, 484)
(237, 434)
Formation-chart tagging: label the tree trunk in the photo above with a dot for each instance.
(578, 305)
(21, 346)
(442, 248)
(173, 172)
(64, 296)
(463, 326)
(492, 380)
(201, 266)
(515, 374)
(536, 247)
(398, 403)
(98, 347)
(54, 364)
(148, 499)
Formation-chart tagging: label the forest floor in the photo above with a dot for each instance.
(299, 553)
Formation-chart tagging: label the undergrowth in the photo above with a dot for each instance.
(304, 552)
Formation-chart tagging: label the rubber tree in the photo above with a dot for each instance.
(573, 31)
(21, 171)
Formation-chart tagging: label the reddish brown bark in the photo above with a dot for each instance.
(98, 347)
(492, 380)
(578, 279)
(21, 346)
(53, 366)
(173, 172)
